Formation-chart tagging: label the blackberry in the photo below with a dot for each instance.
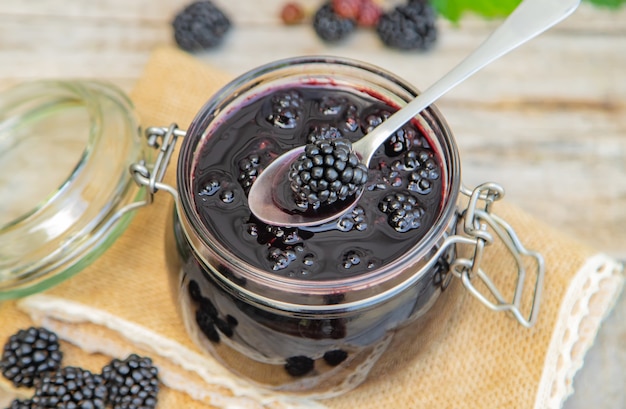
(327, 171)
(299, 365)
(330, 26)
(335, 357)
(281, 259)
(403, 211)
(206, 323)
(22, 404)
(423, 170)
(373, 119)
(331, 105)
(210, 188)
(70, 387)
(133, 383)
(400, 141)
(200, 26)
(409, 27)
(320, 132)
(286, 109)
(29, 354)
(249, 169)
(194, 291)
(351, 119)
(355, 220)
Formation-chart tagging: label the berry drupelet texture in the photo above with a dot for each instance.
(286, 109)
(403, 211)
(29, 354)
(22, 404)
(330, 26)
(70, 387)
(327, 171)
(132, 383)
(409, 27)
(200, 26)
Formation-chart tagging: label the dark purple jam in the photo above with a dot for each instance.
(400, 203)
(294, 350)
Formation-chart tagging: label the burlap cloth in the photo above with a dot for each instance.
(122, 304)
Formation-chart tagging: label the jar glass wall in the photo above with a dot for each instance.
(291, 332)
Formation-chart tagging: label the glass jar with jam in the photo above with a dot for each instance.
(319, 309)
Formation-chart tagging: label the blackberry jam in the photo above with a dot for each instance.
(318, 310)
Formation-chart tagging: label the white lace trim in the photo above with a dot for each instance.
(61, 316)
(591, 295)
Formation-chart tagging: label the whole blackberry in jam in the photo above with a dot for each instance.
(286, 109)
(403, 211)
(29, 354)
(323, 131)
(401, 141)
(206, 323)
(327, 171)
(423, 170)
(330, 26)
(409, 27)
(248, 171)
(200, 26)
(330, 105)
(133, 383)
(299, 365)
(70, 387)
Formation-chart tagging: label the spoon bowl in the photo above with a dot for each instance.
(266, 197)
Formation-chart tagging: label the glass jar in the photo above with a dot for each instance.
(325, 335)
(65, 189)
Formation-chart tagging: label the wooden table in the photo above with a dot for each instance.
(548, 121)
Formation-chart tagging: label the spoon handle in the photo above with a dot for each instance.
(529, 19)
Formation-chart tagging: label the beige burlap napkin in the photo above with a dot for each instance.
(122, 303)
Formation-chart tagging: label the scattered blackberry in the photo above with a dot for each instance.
(206, 323)
(325, 172)
(70, 387)
(409, 27)
(29, 354)
(320, 132)
(133, 383)
(331, 27)
(286, 109)
(200, 26)
(335, 357)
(22, 404)
(403, 211)
(249, 168)
(351, 119)
(299, 365)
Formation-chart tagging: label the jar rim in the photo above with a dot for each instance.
(77, 217)
(371, 284)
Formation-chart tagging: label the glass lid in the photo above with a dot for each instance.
(65, 151)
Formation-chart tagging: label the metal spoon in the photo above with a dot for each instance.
(529, 19)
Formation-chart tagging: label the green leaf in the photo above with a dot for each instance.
(454, 10)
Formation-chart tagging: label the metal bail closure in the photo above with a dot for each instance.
(480, 224)
(151, 176)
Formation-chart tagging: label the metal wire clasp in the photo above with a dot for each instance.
(479, 223)
(163, 139)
